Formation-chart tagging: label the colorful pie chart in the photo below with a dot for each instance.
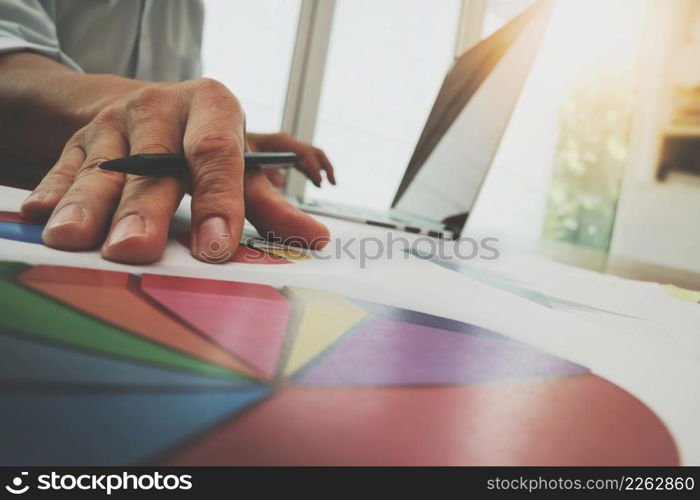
(208, 372)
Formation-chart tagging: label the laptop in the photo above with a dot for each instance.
(461, 135)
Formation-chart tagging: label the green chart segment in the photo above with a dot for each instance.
(24, 311)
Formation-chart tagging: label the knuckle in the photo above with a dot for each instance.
(147, 193)
(89, 169)
(214, 144)
(148, 100)
(62, 173)
(217, 95)
(70, 161)
(136, 194)
(115, 178)
(206, 206)
(136, 191)
(214, 180)
(110, 116)
(210, 85)
(76, 140)
(92, 163)
(153, 144)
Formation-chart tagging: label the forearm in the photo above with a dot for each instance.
(43, 103)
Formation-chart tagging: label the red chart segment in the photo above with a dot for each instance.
(389, 352)
(13, 217)
(14, 227)
(115, 297)
(248, 320)
(580, 420)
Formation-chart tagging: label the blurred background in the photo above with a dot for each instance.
(599, 165)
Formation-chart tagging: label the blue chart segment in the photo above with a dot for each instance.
(24, 361)
(28, 233)
(107, 428)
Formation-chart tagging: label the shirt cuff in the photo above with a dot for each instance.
(9, 45)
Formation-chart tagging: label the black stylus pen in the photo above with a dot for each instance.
(175, 163)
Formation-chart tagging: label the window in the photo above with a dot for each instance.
(248, 46)
(384, 66)
(579, 98)
(499, 12)
(595, 115)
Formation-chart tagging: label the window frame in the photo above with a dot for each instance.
(308, 69)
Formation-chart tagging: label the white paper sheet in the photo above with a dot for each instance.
(647, 343)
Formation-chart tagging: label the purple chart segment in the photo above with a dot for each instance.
(388, 352)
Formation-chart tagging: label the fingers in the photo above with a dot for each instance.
(214, 144)
(326, 165)
(80, 218)
(312, 160)
(275, 177)
(310, 164)
(270, 213)
(41, 202)
(139, 230)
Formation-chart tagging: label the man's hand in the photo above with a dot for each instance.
(312, 160)
(86, 205)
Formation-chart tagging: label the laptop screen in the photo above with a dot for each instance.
(468, 119)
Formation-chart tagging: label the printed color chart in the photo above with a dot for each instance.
(109, 368)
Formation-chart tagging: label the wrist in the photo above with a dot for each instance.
(43, 103)
(105, 91)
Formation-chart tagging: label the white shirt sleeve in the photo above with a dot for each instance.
(27, 25)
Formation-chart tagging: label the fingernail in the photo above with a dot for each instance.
(213, 240)
(129, 227)
(70, 214)
(36, 196)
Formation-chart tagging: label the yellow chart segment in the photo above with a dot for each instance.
(325, 317)
(287, 253)
(682, 293)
